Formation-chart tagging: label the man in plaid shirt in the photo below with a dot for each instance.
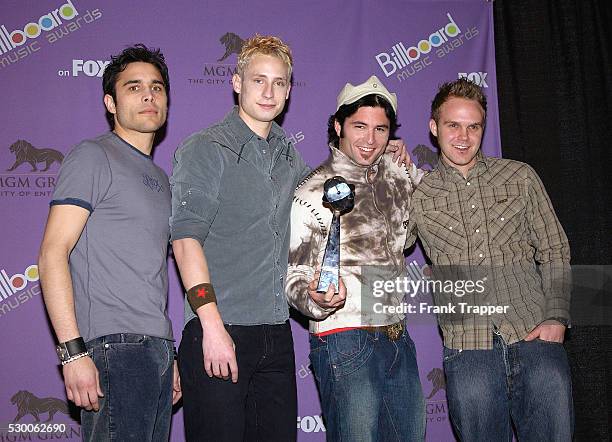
(488, 223)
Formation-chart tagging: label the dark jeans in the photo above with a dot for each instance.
(528, 382)
(136, 379)
(369, 386)
(262, 406)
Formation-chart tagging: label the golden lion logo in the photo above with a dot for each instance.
(232, 42)
(425, 155)
(436, 377)
(27, 403)
(26, 153)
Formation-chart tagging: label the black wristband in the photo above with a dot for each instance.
(68, 349)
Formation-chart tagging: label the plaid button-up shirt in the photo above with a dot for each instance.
(497, 225)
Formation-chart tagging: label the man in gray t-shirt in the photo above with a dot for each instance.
(103, 262)
(118, 265)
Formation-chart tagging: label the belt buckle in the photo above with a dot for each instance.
(394, 331)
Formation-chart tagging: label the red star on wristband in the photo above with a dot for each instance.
(202, 293)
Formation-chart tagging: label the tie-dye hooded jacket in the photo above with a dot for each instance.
(372, 238)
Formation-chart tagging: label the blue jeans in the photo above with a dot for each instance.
(526, 382)
(369, 386)
(136, 379)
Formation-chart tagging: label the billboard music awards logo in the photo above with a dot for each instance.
(35, 161)
(28, 424)
(18, 289)
(220, 72)
(54, 25)
(406, 60)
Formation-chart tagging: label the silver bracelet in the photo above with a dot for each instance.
(75, 357)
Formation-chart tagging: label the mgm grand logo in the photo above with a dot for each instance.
(28, 404)
(425, 156)
(221, 72)
(34, 161)
(436, 409)
(25, 153)
(438, 382)
(233, 44)
(29, 425)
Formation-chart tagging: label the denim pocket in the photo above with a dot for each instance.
(449, 354)
(543, 341)
(129, 339)
(125, 343)
(349, 351)
(349, 342)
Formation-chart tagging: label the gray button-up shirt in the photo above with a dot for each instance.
(232, 191)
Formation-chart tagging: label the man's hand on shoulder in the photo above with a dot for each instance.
(219, 352)
(400, 154)
(329, 299)
(83, 383)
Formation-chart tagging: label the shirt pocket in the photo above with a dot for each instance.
(445, 231)
(506, 219)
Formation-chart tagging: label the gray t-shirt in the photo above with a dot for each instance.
(118, 266)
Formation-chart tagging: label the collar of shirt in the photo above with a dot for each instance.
(244, 133)
(451, 173)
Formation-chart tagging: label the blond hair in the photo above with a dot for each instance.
(266, 45)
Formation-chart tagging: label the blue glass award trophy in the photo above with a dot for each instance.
(339, 196)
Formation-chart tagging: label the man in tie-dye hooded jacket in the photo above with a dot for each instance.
(362, 356)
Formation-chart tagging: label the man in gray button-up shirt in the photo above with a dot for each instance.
(232, 191)
(236, 206)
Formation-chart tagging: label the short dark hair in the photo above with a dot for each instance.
(461, 88)
(132, 54)
(346, 110)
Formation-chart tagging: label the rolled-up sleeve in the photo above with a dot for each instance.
(196, 179)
